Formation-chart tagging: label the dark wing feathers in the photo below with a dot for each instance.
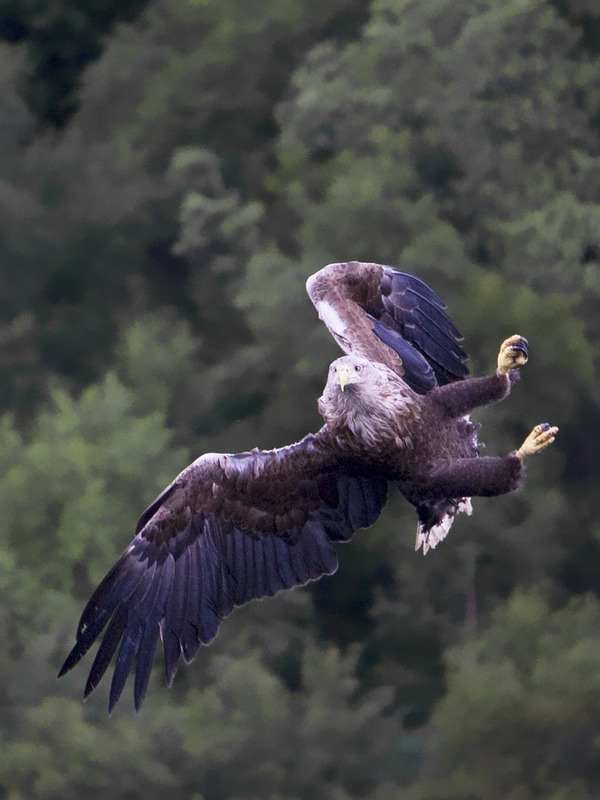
(418, 372)
(179, 582)
(154, 506)
(368, 305)
(394, 281)
(359, 504)
(420, 316)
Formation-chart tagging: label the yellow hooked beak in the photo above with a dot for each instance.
(343, 375)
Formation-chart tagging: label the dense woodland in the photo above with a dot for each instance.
(171, 172)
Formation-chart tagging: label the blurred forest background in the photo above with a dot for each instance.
(171, 172)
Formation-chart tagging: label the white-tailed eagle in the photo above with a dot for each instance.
(231, 528)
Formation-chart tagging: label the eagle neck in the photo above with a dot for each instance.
(358, 423)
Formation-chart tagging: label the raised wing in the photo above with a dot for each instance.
(385, 315)
(230, 528)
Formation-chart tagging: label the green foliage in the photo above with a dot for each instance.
(521, 707)
(62, 39)
(479, 98)
(93, 220)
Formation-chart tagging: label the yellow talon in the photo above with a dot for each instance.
(514, 352)
(540, 437)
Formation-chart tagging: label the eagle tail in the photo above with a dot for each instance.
(435, 521)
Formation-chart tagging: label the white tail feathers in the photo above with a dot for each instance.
(429, 538)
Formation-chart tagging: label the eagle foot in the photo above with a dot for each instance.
(539, 438)
(514, 352)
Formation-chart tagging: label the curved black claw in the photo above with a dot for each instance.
(521, 346)
(514, 352)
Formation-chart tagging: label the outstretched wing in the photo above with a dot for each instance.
(230, 528)
(385, 315)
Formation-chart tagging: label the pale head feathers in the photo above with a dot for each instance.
(369, 400)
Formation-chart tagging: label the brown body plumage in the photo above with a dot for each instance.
(235, 527)
(423, 443)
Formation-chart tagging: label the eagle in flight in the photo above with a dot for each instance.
(231, 528)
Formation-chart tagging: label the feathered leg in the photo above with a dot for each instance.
(474, 477)
(486, 477)
(468, 477)
(461, 397)
(459, 478)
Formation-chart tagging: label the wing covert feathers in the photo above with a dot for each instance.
(215, 539)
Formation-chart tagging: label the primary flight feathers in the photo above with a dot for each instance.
(231, 528)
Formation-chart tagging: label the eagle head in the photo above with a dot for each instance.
(368, 400)
(354, 383)
(349, 378)
(350, 371)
